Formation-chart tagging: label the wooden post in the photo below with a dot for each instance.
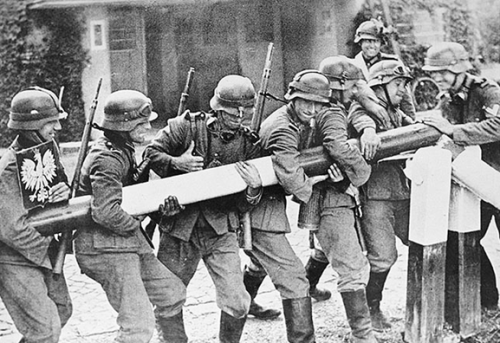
(463, 268)
(430, 172)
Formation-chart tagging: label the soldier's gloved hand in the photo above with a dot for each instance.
(170, 207)
(187, 162)
(59, 192)
(370, 142)
(249, 174)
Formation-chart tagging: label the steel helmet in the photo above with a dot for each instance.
(385, 71)
(235, 95)
(447, 56)
(371, 29)
(125, 109)
(309, 85)
(32, 108)
(339, 70)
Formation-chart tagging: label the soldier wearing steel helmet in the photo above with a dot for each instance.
(470, 107)
(113, 249)
(304, 122)
(39, 304)
(207, 230)
(370, 35)
(386, 195)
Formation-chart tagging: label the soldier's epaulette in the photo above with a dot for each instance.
(194, 115)
(385, 56)
(108, 145)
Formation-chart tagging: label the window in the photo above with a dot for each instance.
(97, 35)
(122, 33)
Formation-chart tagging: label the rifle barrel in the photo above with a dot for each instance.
(261, 96)
(185, 92)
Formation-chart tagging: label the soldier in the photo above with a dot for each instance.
(386, 195)
(39, 304)
(114, 250)
(207, 230)
(305, 121)
(470, 107)
(370, 37)
(340, 232)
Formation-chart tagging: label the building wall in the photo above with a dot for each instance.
(173, 38)
(98, 66)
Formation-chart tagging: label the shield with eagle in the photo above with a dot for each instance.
(38, 172)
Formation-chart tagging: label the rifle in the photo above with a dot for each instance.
(254, 128)
(388, 19)
(185, 92)
(67, 236)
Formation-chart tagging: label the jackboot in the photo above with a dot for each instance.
(171, 329)
(252, 283)
(314, 270)
(374, 290)
(298, 320)
(231, 328)
(358, 316)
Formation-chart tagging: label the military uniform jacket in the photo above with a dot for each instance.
(387, 181)
(333, 135)
(217, 148)
(474, 108)
(108, 167)
(20, 243)
(283, 136)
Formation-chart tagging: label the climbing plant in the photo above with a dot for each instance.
(42, 48)
(458, 25)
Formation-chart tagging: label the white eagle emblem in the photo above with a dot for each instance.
(37, 175)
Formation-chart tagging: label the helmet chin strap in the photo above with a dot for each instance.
(454, 83)
(389, 101)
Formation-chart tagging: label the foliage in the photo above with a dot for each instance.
(457, 25)
(41, 48)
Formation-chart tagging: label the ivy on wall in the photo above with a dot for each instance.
(42, 48)
(458, 25)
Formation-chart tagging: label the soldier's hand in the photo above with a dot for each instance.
(448, 144)
(335, 173)
(170, 207)
(249, 174)
(439, 123)
(370, 142)
(187, 162)
(59, 192)
(318, 178)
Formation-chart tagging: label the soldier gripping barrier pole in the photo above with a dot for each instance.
(145, 198)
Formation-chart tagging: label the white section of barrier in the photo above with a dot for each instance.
(430, 172)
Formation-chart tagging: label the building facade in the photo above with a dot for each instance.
(150, 45)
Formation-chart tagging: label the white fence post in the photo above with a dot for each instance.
(430, 172)
(463, 266)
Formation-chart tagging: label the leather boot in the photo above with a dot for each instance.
(171, 329)
(231, 328)
(374, 290)
(298, 320)
(252, 283)
(314, 270)
(358, 316)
